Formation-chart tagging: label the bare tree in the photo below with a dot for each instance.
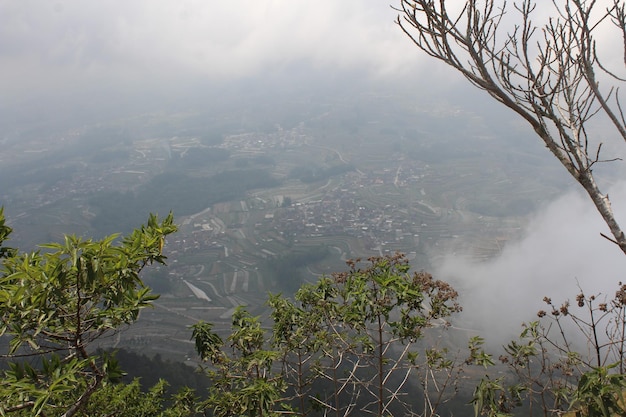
(550, 74)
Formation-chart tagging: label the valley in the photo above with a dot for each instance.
(265, 210)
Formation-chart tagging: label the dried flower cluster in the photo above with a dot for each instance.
(620, 295)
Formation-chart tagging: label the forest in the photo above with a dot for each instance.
(182, 193)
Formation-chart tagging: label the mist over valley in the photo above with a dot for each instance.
(275, 193)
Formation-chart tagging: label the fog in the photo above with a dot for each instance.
(561, 253)
(67, 60)
(72, 62)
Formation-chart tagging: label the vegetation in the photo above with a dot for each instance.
(129, 400)
(370, 340)
(570, 360)
(244, 381)
(356, 334)
(346, 345)
(151, 370)
(55, 304)
(173, 191)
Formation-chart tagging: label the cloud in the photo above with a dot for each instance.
(561, 251)
(72, 42)
(66, 45)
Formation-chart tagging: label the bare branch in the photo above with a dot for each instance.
(547, 73)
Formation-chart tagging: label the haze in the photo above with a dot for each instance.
(274, 65)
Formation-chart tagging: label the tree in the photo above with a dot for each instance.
(346, 345)
(128, 400)
(377, 315)
(57, 302)
(365, 325)
(244, 382)
(571, 359)
(553, 75)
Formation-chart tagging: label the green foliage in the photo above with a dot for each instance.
(57, 302)
(357, 329)
(208, 344)
(129, 400)
(569, 362)
(344, 345)
(363, 341)
(244, 382)
(493, 398)
(5, 231)
(601, 392)
(371, 295)
(477, 355)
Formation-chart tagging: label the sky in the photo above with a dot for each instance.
(70, 60)
(75, 45)
(61, 45)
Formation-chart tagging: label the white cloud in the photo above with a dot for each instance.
(66, 43)
(76, 41)
(562, 250)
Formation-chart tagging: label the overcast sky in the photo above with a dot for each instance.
(68, 43)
